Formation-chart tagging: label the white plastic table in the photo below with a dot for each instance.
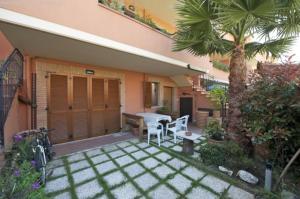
(154, 117)
(188, 141)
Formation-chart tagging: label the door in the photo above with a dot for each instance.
(97, 107)
(112, 116)
(186, 107)
(79, 108)
(82, 107)
(168, 96)
(58, 110)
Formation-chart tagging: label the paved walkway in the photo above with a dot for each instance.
(131, 169)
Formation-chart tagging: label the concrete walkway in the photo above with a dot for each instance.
(131, 169)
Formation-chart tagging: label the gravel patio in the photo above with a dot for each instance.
(133, 169)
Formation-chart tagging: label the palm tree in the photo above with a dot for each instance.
(227, 27)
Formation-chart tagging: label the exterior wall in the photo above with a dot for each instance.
(91, 17)
(16, 121)
(132, 95)
(5, 47)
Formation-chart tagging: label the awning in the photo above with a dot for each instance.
(41, 38)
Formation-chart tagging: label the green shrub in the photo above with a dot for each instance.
(19, 178)
(214, 130)
(271, 113)
(20, 182)
(226, 154)
(212, 154)
(219, 95)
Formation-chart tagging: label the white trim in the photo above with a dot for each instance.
(53, 28)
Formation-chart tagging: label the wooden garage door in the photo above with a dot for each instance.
(97, 107)
(82, 107)
(112, 119)
(59, 108)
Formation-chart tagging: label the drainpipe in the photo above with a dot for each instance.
(33, 99)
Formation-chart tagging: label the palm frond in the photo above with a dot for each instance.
(272, 48)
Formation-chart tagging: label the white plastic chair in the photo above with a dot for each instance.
(185, 120)
(152, 128)
(174, 127)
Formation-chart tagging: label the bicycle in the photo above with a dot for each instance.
(42, 150)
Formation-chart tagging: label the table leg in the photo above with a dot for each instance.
(188, 146)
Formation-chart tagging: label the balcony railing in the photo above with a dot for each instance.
(133, 12)
(11, 76)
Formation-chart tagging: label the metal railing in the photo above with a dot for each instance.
(11, 77)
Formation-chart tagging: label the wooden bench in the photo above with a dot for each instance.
(134, 121)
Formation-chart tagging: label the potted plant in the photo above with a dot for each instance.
(163, 110)
(214, 131)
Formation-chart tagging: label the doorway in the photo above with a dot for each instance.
(186, 107)
(80, 107)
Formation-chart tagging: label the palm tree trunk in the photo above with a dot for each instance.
(237, 84)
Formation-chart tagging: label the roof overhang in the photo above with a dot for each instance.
(41, 38)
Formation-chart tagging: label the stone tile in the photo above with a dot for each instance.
(139, 155)
(193, 173)
(197, 148)
(215, 183)
(177, 148)
(103, 196)
(163, 192)
(196, 155)
(79, 165)
(124, 160)
(180, 183)
(127, 191)
(57, 184)
(110, 148)
(176, 163)
(163, 156)
(59, 171)
(55, 163)
(167, 144)
(105, 167)
(76, 157)
(114, 178)
(100, 158)
(143, 145)
(134, 170)
(93, 152)
(163, 171)
(150, 163)
(88, 190)
(124, 144)
(152, 150)
(135, 141)
(199, 192)
(237, 193)
(83, 175)
(117, 153)
(64, 195)
(131, 149)
(146, 181)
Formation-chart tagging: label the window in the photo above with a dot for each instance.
(154, 93)
(151, 94)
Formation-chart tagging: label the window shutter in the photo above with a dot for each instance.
(147, 94)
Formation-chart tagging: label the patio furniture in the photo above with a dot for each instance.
(174, 127)
(135, 121)
(154, 117)
(188, 141)
(153, 129)
(185, 120)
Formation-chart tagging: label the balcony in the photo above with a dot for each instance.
(91, 17)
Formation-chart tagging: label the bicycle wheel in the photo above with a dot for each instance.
(41, 163)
